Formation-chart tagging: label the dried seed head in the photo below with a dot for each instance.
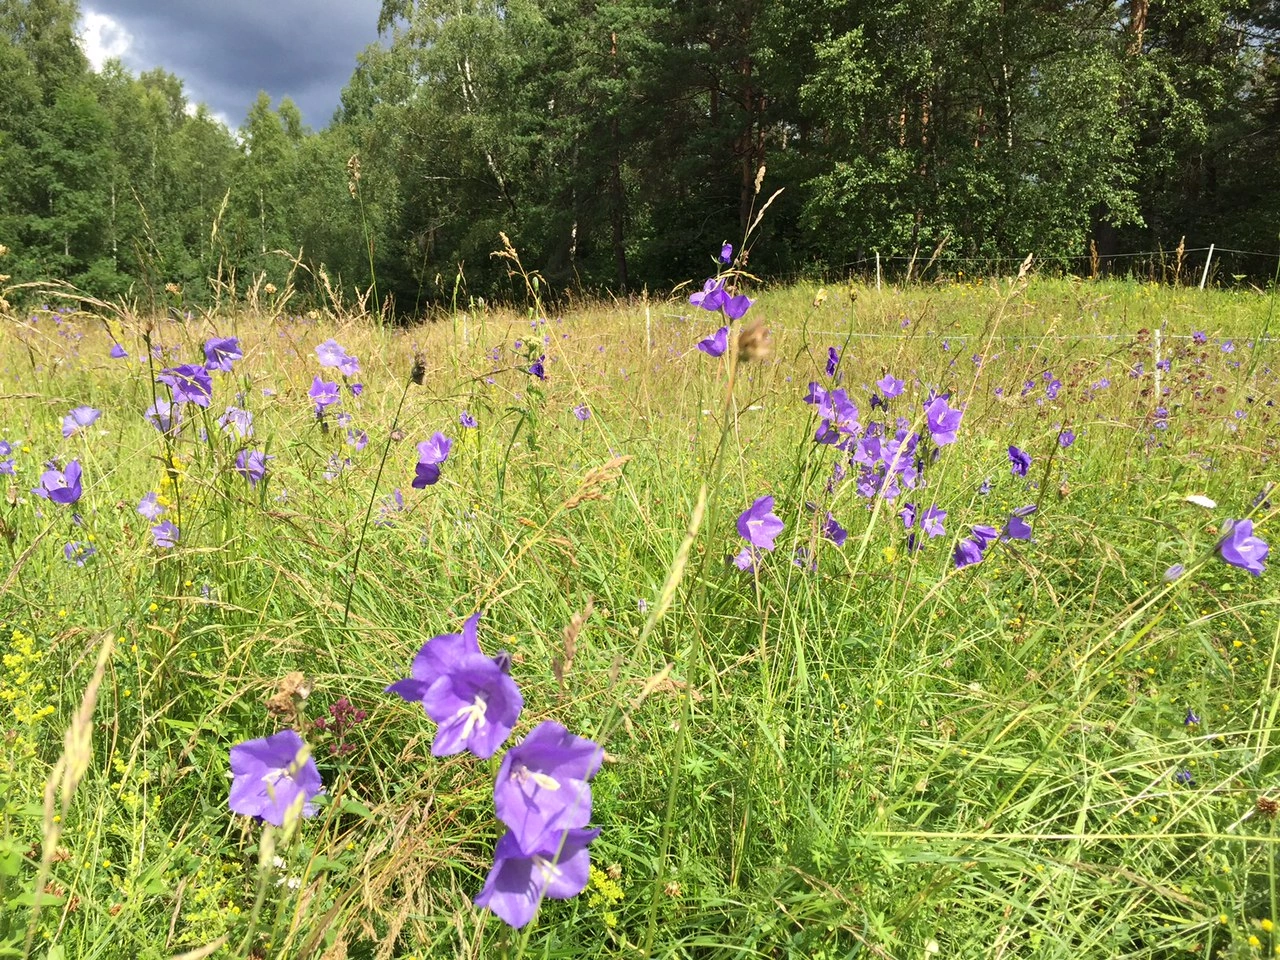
(1267, 807)
(754, 342)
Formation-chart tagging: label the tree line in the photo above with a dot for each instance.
(618, 143)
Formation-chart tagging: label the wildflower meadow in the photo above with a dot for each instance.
(779, 622)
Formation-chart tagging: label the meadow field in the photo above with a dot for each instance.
(992, 674)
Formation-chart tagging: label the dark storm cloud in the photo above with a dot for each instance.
(228, 50)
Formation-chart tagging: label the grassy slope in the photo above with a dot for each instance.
(882, 756)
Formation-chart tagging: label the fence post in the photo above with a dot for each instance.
(877, 269)
(1208, 258)
(1157, 353)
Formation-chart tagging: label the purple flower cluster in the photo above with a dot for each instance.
(542, 793)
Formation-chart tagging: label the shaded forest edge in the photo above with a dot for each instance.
(618, 144)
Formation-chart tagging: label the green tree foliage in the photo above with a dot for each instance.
(618, 143)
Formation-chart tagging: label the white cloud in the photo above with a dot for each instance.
(103, 37)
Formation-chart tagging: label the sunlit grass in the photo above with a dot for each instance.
(885, 756)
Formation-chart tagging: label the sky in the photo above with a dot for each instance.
(225, 51)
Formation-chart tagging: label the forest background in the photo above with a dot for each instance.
(616, 142)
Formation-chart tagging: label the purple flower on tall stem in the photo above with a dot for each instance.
(190, 383)
(735, 308)
(558, 867)
(833, 361)
(726, 253)
(1066, 437)
(475, 705)
(78, 552)
(332, 354)
(78, 419)
(436, 657)
(542, 784)
(712, 296)
(538, 368)
(221, 352)
(323, 393)
(582, 412)
(890, 386)
(237, 421)
(1016, 528)
(467, 420)
(252, 465)
(165, 534)
(943, 421)
(163, 415)
(984, 535)
(1020, 461)
(931, 522)
(274, 778)
(908, 515)
(61, 486)
(716, 344)
(149, 506)
(1240, 548)
(431, 454)
(967, 552)
(758, 524)
(832, 530)
(118, 352)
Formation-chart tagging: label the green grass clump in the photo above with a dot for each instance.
(866, 752)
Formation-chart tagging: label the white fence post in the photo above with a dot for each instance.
(1205, 276)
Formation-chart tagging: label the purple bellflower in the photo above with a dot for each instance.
(78, 419)
(323, 393)
(735, 308)
(431, 454)
(118, 352)
(61, 486)
(78, 552)
(475, 705)
(436, 657)
(716, 344)
(165, 534)
(467, 420)
(252, 465)
(149, 506)
(758, 524)
(237, 421)
(833, 361)
(1240, 548)
(558, 868)
(931, 522)
(221, 352)
(582, 412)
(538, 368)
(190, 383)
(712, 296)
(1020, 461)
(163, 415)
(890, 386)
(726, 253)
(943, 421)
(542, 784)
(274, 778)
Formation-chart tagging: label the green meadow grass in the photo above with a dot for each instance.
(885, 757)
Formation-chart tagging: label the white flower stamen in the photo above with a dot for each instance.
(474, 713)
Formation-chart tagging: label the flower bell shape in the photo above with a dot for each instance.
(475, 705)
(431, 454)
(221, 352)
(716, 344)
(542, 784)
(758, 524)
(61, 486)
(558, 867)
(436, 657)
(1240, 548)
(274, 778)
(943, 421)
(190, 383)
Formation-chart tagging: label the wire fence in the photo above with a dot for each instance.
(1210, 264)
